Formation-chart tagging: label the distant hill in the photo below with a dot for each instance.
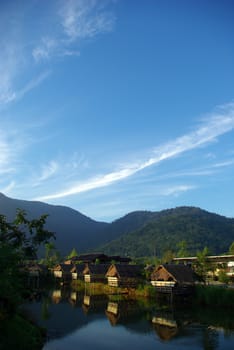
(72, 228)
(140, 233)
(166, 228)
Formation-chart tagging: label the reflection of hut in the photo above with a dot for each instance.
(94, 303)
(95, 272)
(37, 270)
(77, 271)
(63, 271)
(175, 279)
(35, 273)
(112, 312)
(123, 275)
(165, 328)
(56, 296)
(73, 298)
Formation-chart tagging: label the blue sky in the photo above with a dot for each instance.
(111, 106)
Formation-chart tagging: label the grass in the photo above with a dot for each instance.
(214, 296)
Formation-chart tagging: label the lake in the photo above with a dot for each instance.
(85, 322)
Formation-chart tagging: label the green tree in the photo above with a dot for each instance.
(202, 265)
(19, 242)
(183, 249)
(52, 255)
(72, 253)
(231, 249)
(168, 256)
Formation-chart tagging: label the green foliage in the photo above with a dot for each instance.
(72, 254)
(52, 255)
(168, 256)
(165, 229)
(202, 265)
(231, 249)
(222, 277)
(183, 249)
(214, 296)
(19, 241)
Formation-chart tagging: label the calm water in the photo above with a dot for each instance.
(81, 322)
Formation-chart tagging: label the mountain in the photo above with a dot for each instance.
(166, 228)
(72, 228)
(140, 233)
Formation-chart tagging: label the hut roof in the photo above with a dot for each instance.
(96, 269)
(118, 258)
(78, 268)
(37, 267)
(63, 267)
(124, 270)
(92, 257)
(180, 273)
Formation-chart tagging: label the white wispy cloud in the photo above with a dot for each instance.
(176, 190)
(85, 19)
(224, 164)
(12, 63)
(45, 49)
(216, 125)
(49, 170)
(7, 189)
(79, 20)
(6, 154)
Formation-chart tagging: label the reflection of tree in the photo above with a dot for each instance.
(45, 314)
(210, 339)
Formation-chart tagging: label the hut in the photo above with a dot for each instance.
(77, 271)
(36, 270)
(124, 275)
(63, 271)
(175, 279)
(95, 272)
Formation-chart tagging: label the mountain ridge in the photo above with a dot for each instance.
(137, 233)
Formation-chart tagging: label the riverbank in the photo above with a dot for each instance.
(205, 295)
(17, 332)
(214, 296)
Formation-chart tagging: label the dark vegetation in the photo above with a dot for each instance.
(19, 242)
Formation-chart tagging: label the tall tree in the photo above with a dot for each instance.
(19, 241)
(72, 253)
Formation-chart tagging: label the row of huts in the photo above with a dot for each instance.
(168, 278)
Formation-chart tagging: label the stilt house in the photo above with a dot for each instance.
(175, 279)
(124, 275)
(95, 272)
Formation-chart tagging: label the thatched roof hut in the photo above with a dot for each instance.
(124, 275)
(170, 277)
(95, 272)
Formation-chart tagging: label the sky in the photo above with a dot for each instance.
(112, 106)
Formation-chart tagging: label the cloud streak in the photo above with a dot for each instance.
(216, 125)
(83, 19)
(79, 20)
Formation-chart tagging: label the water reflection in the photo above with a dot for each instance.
(101, 322)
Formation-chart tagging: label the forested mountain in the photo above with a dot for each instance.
(167, 228)
(140, 233)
